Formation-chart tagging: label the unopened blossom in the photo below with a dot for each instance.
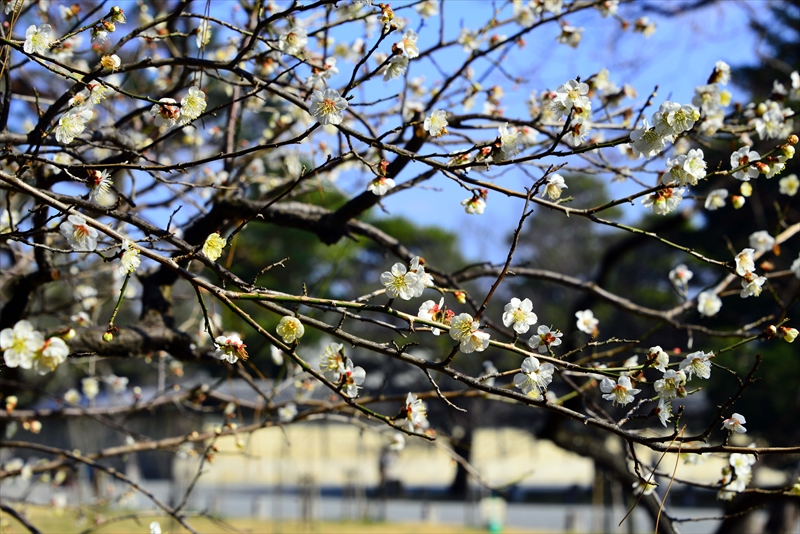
(398, 442)
(212, 248)
(789, 334)
(744, 156)
(293, 41)
(680, 276)
(697, 363)
(130, 260)
(53, 352)
(586, 321)
(789, 185)
(110, 62)
(415, 413)
(752, 285)
(761, 241)
(20, 344)
(165, 113)
(380, 185)
(192, 105)
(287, 413)
(72, 124)
(545, 338)
(745, 262)
(569, 96)
(81, 236)
(708, 303)
(397, 67)
(668, 386)
(534, 378)
(352, 378)
(621, 392)
(466, 331)
(474, 206)
(328, 106)
(555, 184)
(332, 363)
(72, 396)
(436, 123)
(290, 329)
(735, 424)
(664, 201)
(37, 40)
(90, 388)
(659, 358)
(399, 282)
(645, 26)
(230, 348)
(519, 314)
(716, 199)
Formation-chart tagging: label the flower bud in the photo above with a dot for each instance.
(737, 201)
(787, 151)
(36, 427)
(789, 334)
(460, 296)
(11, 403)
(769, 332)
(762, 167)
(746, 189)
(681, 392)
(71, 333)
(792, 140)
(108, 337)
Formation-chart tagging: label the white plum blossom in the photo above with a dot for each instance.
(466, 331)
(436, 123)
(53, 352)
(752, 285)
(37, 40)
(399, 282)
(761, 241)
(742, 463)
(664, 201)
(230, 348)
(735, 424)
(519, 314)
(424, 279)
(744, 156)
(72, 124)
(789, 185)
(118, 383)
(646, 141)
(81, 237)
(745, 262)
(409, 44)
(430, 311)
(72, 396)
(474, 206)
(165, 113)
(668, 386)
(290, 329)
(680, 276)
(380, 185)
(415, 413)
(427, 9)
(509, 142)
(555, 183)
(213, 246)
(673, 119)
(716, 199)
(664, 411)
(586, 321)
(20, 344)
(534, 378)
(708, 304)
(130, 260)
(352, 378)
(621, 392)
(397, 67)
(697, 363)
(659, 358)
(469, 40)
(192, 105)
(287, 413)
(688, 168)
(293, 41)
(570, 36)
(90, 388)
(545, 338)
(333, 362)
(328, 106)
(571, 95)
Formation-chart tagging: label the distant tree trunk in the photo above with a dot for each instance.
(459, 488)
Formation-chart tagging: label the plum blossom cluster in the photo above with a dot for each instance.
(230, 348)
(466, 330)
(27, 348)
(407, 283)
(736, 475)
(166, 113)
(745, 267)
(339, 369)
(534, 377)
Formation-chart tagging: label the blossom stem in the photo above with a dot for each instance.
(119, 302)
